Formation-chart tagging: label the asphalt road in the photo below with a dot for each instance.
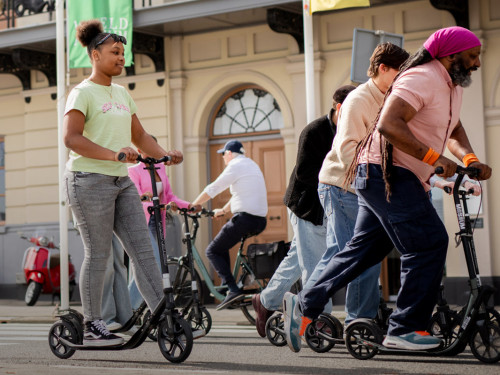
(231, 347)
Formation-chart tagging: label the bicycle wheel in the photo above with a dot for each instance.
(153, 334)
(250, 287)
(177, 346)
(62, 330)
(181, 279)
(204, 321)
(493, 316)
(484, 343)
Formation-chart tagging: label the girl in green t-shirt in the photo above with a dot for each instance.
(100, 123)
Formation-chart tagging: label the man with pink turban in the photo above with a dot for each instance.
(391, 171)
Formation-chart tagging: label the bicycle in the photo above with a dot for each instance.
(183, 272)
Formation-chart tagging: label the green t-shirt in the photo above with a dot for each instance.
(108, 114)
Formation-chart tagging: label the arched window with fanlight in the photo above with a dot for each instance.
(245, 111)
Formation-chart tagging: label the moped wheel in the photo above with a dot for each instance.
(358, 336)
(275, 326)
(204, 321)
(175, 347)
(320, 333)
(65, 330)
(32, 293)
(484, 343)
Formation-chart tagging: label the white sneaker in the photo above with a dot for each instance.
(199, 333)
(113, 326)
(131, 331)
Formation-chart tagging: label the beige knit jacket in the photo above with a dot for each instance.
(357, 113)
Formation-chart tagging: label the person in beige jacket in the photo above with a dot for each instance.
(341, 207)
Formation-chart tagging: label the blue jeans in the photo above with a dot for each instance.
(115, 298)
(102, 205)
(241, 224)
(135, 296)
(341, 209)
(307, 246)
(410, 223)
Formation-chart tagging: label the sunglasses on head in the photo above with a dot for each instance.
(116, 38)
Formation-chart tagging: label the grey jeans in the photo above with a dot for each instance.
(102, 205)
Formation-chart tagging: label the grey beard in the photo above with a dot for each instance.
(459, 75)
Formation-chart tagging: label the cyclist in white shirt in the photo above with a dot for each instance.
(248, 203)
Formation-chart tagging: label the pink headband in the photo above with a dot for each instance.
(450, 40)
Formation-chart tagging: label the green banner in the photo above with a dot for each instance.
(116, 17)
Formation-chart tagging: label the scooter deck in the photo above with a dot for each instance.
(384, 349)
(87, 347)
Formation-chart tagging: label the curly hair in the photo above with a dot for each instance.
(422, 56)
(88, 33)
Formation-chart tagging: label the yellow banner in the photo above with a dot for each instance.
(320, 5)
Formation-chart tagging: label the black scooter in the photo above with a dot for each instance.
(477, 326)
(174, 335)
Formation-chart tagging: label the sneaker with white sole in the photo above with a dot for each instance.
(418, 340)
(113, 326)
(293, 318)
(199, 333)
(97, 334)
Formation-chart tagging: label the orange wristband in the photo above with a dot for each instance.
(469, 158)
(431, 156)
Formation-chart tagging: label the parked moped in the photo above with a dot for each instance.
(41, 268)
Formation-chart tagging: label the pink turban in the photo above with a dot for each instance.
(450, 40)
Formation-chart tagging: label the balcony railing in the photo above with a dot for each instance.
(11, 10)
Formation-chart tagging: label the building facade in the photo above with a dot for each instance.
(196, 64)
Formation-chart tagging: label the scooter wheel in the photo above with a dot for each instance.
(62, 330)
(484, 343)
(32, 293)
(176, 346)
(204, 321)
(275, 326)
(446, 325)
(321, 334)
(362, 337)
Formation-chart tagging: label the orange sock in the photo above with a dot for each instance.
(303, 325)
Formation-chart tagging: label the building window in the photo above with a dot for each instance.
(2, 181)
(245, 111)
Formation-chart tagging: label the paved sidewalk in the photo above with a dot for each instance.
(16, 311)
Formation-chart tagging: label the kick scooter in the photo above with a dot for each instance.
(476, 327)
(174, 335)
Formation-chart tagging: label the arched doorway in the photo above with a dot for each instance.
(251, 114)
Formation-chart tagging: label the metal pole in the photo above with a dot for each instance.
(309, 62)
(61, 99)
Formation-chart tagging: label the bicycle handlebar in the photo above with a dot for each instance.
(147, 160)
(188, 212)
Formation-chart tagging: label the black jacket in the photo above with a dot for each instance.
(302, 193)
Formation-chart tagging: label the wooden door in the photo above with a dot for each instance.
(270, 156)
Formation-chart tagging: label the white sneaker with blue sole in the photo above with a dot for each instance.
(293, 317)
(417, 340)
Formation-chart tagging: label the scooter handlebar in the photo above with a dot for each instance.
(148, 160)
